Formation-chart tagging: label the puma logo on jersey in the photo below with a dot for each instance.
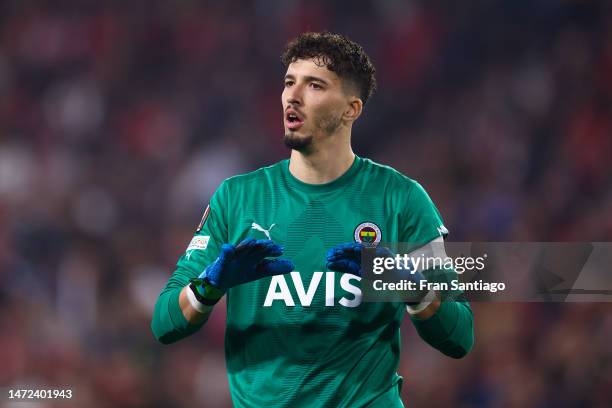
(258, 227)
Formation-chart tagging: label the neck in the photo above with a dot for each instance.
(322, 164)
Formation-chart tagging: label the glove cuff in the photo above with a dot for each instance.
(204, 292)
(195, 303)
(417, 307)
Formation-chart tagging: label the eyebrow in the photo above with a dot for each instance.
(308, 78)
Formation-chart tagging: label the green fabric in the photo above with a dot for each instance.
(169, 324)
(390, 399)
(331, 350)
(450, 329)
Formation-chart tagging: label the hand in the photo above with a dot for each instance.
(245, 262)
(347, 258)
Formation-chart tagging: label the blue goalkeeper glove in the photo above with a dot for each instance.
(347, 258)
(238, 264)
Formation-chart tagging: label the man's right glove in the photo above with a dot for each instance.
(238, 264)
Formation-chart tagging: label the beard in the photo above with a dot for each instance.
(299, 143)
(327, 125)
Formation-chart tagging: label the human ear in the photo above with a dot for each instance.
(353, 110)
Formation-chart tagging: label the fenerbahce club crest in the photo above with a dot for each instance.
(367, 233)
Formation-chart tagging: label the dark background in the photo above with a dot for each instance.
(118, 119)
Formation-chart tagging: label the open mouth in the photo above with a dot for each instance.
(293, 120)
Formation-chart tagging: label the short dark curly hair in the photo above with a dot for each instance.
(341, 55)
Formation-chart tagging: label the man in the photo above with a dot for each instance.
(298, 332)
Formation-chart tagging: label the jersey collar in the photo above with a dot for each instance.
(322, 188)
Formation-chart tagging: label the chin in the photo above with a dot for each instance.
(297, 142)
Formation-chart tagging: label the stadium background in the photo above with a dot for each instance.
(119, 118)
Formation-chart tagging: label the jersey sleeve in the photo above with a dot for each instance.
(421, 221)
(169, 324)
(211, 233)
(451, 329)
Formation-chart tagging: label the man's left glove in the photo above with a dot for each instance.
(347, 258)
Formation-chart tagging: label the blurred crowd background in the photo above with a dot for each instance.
(118, 119)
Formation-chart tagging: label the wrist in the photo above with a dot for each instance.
(195, 304)
(204, 292)
(420, 292)
(416, 308)
(431, 309)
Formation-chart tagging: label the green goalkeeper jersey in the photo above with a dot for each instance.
(306, 338)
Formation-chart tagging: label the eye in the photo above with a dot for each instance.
(314, 85)
(288, 83)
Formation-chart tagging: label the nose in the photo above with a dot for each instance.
(293, 96)
(293, 101)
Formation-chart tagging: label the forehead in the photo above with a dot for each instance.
(308, 67)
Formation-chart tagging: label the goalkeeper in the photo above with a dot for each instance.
(282, 244)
